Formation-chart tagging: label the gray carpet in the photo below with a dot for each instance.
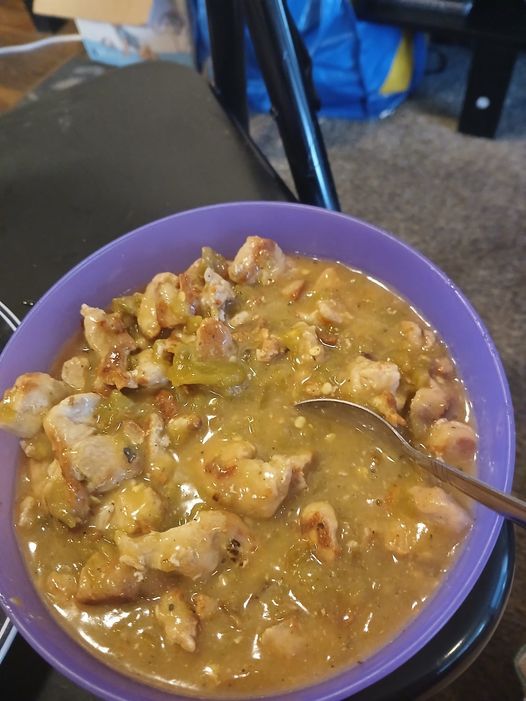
(461, 201)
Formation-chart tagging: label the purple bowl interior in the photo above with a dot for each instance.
(172, 244)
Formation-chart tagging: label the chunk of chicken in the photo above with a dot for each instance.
(75, 372)
(386, 404)
(328, 280)
(235, 478)
(192, 284)
(37, 472)
(100, 461)
(258, 260)
(453, 441)
(204, 606)
(133, 433)
(193, 550)
(303, 341)
(216, 295)
(104, 579)
(418, 336)
(319, 524)
(72, 420)
(223, 460)
(103, 461)
(180, 427)
(214, 341)
(38, 447)
(156, 439)
(293, 290)
(177, 619)
(151, 371)
(163, 305)
(24, 405)
(135, 509)
(271, 347)
(373, 376)
(160, 463)
(27, 512)
(442, 368)
(330, 312)
(399, 538)
(284, 639)
(106, 334)
(375, 382)
(441, 508)
(428, 405)
(65, 498)
(167, 404)
(241, 318)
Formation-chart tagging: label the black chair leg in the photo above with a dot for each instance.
(227, 47)
(276, 49)
(489, 77)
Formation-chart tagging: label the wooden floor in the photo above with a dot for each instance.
(20, 73)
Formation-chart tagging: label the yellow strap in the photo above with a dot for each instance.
(399, 77)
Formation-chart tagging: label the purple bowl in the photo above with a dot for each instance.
(172, 244)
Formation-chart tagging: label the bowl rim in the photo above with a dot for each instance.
(333, 687)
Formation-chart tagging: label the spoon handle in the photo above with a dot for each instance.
(505, 504)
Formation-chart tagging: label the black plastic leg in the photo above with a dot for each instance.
(488, 81)
(225, 26)
(279, 62)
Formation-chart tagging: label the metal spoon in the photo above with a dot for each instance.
(510, 507)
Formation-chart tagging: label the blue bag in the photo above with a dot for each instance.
(360, 70)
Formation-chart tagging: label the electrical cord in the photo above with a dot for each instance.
(41, 43)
